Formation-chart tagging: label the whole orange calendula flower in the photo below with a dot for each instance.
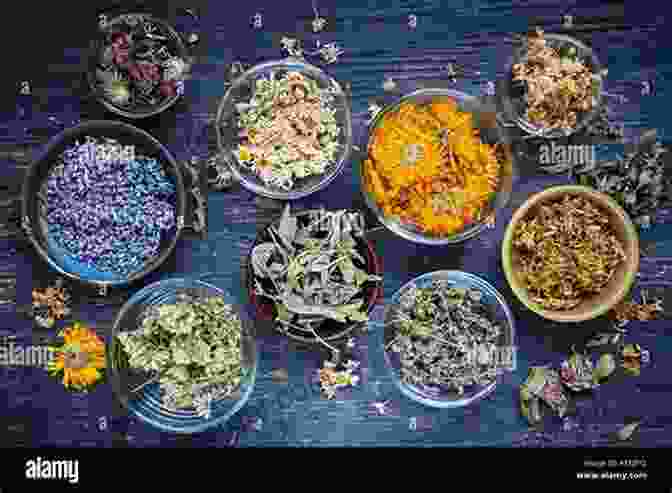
(80, 361)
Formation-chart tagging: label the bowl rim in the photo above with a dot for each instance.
(173, 283)
(411, 391)
(632, 240)
(554, 132)
(95, 53)
(327, 178)
(394, 226)
(69, 135)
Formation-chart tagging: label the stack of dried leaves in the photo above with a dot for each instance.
(568, 252)
(312, 269)
(637, 182)
(547, 388)
(50, 304)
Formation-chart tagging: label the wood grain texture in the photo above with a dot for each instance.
(286, 408)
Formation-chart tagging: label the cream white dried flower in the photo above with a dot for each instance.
(330, 52)
(318, 24)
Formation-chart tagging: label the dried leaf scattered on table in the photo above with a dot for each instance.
(604, 339)
(530, 406)
(280, 375)
(544, 383)
(605, 366)
(631, 355)
(627, 431)
(627, 311)
(578, 373)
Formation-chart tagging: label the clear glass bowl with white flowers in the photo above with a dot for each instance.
(285, 129)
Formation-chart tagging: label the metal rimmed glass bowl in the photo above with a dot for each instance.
(228, 129)
(499, 312)
(485, 120)
(121, 23)
(513, 101)
(146, 403)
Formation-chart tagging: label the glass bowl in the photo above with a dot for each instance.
(146, 403)
(241, 92)
(514, 104)
(122, 23)
(499, 312)
(485, 120)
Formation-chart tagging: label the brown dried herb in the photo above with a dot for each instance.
(627, 311)
(568, 252)
(50, 304)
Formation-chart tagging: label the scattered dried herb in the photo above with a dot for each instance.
(606, 366)
(193, 347)
(50, 304)
(625, 433)
(604, 339)
(636, 181)
(578, 373)
(312, 269)
(631, 359)
(568, 252)
(334, 377)
(627, 311)
(445, 337)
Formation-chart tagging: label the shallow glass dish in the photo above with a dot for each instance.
(514, 104)
(485, 120)
(499, 312)
(146, 403)
(241, 91)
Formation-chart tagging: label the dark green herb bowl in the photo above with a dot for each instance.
(623, 278)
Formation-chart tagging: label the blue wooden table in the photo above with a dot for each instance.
(286, 408)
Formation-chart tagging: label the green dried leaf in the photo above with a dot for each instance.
(627, 431)
(282, 313)
(605, 366)
(536, 380)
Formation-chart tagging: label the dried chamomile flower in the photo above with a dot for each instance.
(332, 379)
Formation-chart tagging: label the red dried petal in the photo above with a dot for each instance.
(135, 72)
(121, 40)
(167, 89)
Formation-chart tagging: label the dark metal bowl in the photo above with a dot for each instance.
(329, 330)
(34, 207)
